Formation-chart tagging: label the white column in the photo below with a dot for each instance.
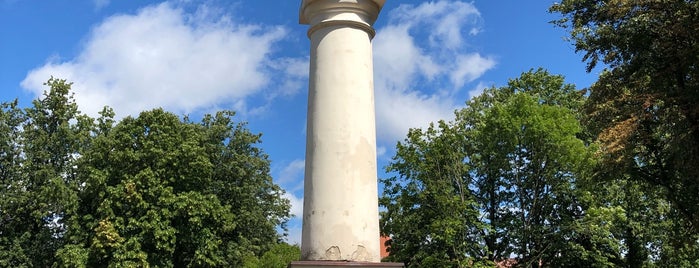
(340, 210)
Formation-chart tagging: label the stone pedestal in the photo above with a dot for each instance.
(340, 210)
(343, 264)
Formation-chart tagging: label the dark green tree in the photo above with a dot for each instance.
(643, 113)
(12, 197)
(643, 107)
(43, 144)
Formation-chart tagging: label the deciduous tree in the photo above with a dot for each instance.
(431, 213)
(42, 143)
(499, 181)
(153, 190)
(643, 109)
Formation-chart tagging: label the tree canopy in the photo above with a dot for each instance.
(154, 190)
(643, 109)
(517, 177)
(497, 182)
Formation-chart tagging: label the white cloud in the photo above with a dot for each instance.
(164, 57)
(396, 112)
(296, 70)
(422, 62)
(291, 179)
(469, 67)
(398, 60)
(443, 20)
(296, 204)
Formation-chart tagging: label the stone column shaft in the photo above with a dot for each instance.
(340, 216)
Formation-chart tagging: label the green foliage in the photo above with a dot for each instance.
(280, 255)
(642, 112)
(643, 107)
(430, 212)
(527, 155)
(499, 181)
(509, 177)
(517, 175)
(12, 253)
(39, 148)
(154, 190)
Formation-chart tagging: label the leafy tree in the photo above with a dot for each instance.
(513, 133)
(154, 190)
(643, 107)
(278, 256)
(498, 181)
(528, 152)
(42, 144)
(241, 180)
(12, 198)
(643, 113)
(169, 193)
(431, 214)
(537, 147)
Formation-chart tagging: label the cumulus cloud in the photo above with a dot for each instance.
(469, 67)
(422, 63)
(296, 70)
(445, 20)
(380, 151)
(163, 56)
(290, 177)
(399, 111)
(296, 204)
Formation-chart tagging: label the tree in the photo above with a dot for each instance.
(538, 152)
(12, 253)
(154, 190)
(498, 181)
(278, 256)
(643, 107)
(170, 193)
(643, 113)
(513, 133)
(431, 215)
(42, 144)
(529, 152)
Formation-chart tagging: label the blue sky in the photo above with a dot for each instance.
(194, 57)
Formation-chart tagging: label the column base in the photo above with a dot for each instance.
(342, 264)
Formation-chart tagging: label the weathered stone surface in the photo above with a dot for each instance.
(340, 218)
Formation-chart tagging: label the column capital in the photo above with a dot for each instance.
(315, 11)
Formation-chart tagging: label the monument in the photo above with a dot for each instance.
(340, 210)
